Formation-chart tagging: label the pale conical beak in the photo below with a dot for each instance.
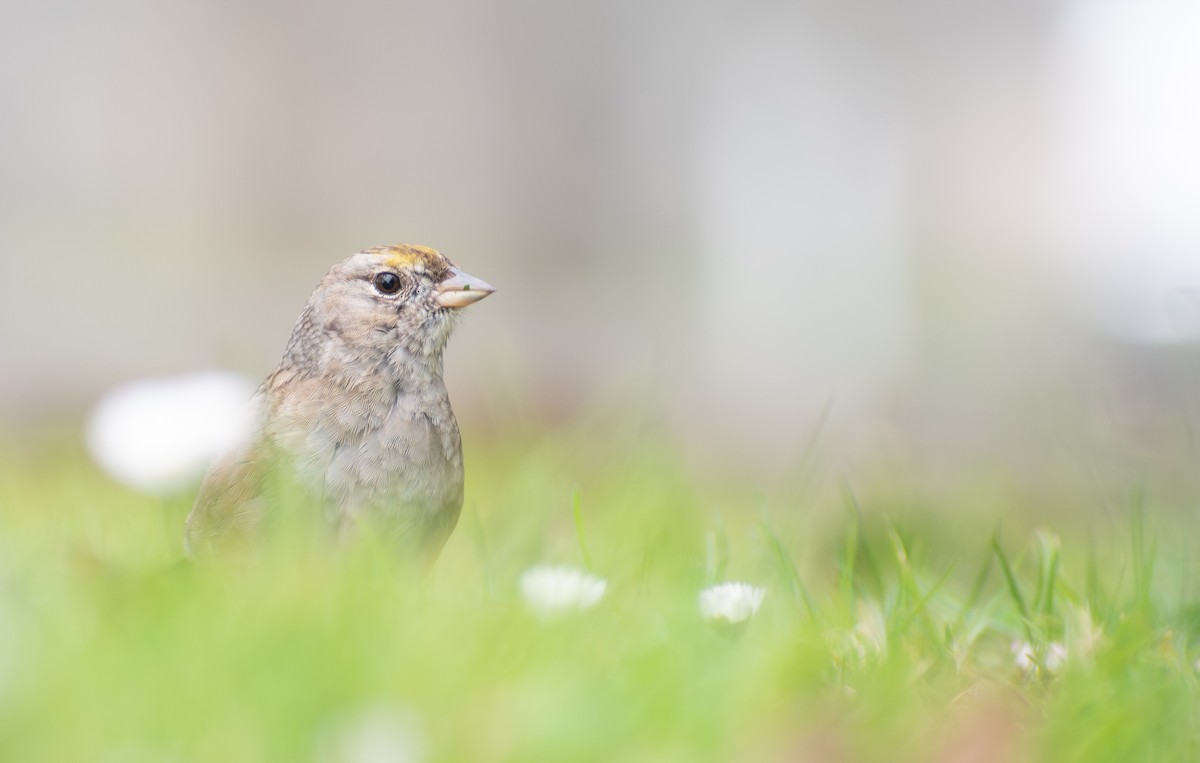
(461, 289)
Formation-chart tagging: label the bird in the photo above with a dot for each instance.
(355, 422)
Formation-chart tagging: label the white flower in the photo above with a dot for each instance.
(731, 602)
(551, 591)
(1056, 657)
(376, 734)
(159, 435)
(869, 637)
(1083, 633)
(1025, 657)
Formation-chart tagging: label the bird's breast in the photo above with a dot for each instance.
(409, 463)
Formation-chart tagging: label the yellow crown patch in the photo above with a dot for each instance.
(410, 257)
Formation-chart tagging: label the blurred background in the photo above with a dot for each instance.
(931, 231)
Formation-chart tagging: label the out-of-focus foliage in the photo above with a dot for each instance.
(884, 633)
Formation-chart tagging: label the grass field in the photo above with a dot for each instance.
(982, 623)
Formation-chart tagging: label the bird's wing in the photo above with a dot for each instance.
(230, 501)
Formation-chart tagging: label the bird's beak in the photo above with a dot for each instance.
(461, 289)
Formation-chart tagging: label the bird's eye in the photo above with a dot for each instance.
(387, 283)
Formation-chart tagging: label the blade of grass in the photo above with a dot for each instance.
(920, 608)
(868, 565)
(1051, 578)
(1143, 559)
(1013, 589)
(479, 538)
(577, 513)
(977, 588)
(912, 591)
(716, 559)
(846, 577)
(787, 571)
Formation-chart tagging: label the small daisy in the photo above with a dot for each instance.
(551, 591)
(730, 602)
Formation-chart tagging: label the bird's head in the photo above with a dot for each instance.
(389, 300)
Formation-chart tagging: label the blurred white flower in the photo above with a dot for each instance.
(1083, 633)
(376, 734)
(869, 636)
(551, 591)
(1026, 657)
(731, 602)
(159, 435)
(1056, 657)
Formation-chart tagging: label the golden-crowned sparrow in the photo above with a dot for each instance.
(356, 415)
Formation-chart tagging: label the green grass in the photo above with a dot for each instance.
(886, 632)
